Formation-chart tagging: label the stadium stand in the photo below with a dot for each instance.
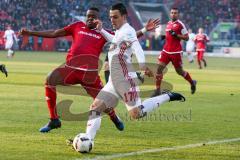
(45, 15)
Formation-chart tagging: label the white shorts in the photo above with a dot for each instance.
(126, 89)
(190, 47)
(8, 44)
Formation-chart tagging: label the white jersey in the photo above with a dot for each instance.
(190, 43)
(125, 42)
(9, 35)
(122, 81)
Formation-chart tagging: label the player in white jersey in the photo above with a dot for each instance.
(10, 37)
(122, 83)
(190, 46)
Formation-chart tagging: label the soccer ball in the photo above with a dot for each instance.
(82, 143)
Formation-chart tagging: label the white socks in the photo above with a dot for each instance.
(93, 124)
(149, 104)
(10, 52)
(190, 57)
(154, 102)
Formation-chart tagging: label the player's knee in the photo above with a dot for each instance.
(54, 79)
(49, 79)
(98, 105)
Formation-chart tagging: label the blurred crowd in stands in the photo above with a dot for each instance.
(208, 13)
(48, 14)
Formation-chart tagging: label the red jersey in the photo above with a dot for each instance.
(172, 44)
(201, 40)
(86, 46)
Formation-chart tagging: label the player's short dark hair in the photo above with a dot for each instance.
(175, 8)
(94, 9)
(119, 6)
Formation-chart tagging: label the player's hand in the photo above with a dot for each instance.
(99, 24)
(173, 33)
(23, 32)
(147, 71)
(152, 24)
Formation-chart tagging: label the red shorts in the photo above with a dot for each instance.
(89, 80)
(176, 59)
(200, 55)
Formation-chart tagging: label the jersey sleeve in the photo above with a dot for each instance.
(70, 28)
(109, 31)
(138, 51)
(130, 36)
(107, 35)
(184, 29)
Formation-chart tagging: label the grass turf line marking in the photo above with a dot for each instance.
(174, 148)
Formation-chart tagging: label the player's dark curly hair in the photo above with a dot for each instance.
(94, 9)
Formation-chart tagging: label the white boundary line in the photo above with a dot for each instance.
(174, 148)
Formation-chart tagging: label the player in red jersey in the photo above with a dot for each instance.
(172, 51)
(201, 40)
(81, 65)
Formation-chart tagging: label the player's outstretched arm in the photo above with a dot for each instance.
(46, 34)
(137, 49)
(106, 35)
(207, 39)
(15, 37)
(151, 25)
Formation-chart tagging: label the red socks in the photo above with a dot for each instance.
(159, 78)
(50, 92)
(112, 114)
(188, 78)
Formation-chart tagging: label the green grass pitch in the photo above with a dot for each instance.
(213, 113)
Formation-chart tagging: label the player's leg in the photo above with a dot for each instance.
(190, 56)
(190, 52)
(199, 59)
(8, 47)
(60, 76)
(151, 104)
(177, 63)
(10, 52)
(102, 103)
(94, 119)
(93, 84)
(106, 75)
(106, 71)
(3, 69)
(203, 59)
(129, 92)
(204, 62)
(163, 61)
